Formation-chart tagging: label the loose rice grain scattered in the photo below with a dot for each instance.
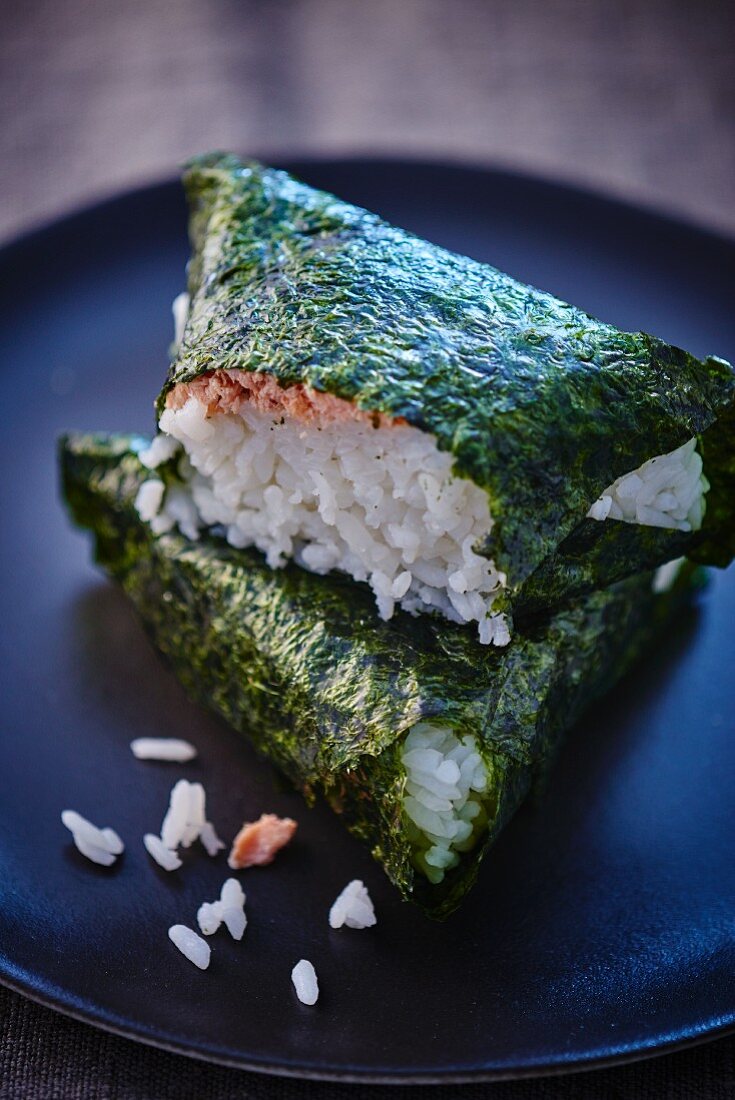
(97, 855)
(196, 816)
(353, 907)
(228, 909)
(101, 846)
(210, 840)
(113, 841)
(235, 921)
(163, 856)
(163, 748)
(305, 982)
(186, 815)
(177, 815)
(192, 946)
(209, 917)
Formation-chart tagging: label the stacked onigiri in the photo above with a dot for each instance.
(317, 481)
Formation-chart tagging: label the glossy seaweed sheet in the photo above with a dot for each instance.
(539, 403)
(326, 690)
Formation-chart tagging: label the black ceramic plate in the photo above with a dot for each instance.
(603, 925)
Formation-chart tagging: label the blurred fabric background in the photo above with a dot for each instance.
(631, 98)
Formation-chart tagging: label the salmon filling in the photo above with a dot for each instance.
(310, 477)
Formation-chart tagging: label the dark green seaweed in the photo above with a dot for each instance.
(325, 689)
(539, 403)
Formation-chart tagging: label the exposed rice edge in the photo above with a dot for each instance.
(446, 779)
(666, 491)
(232, 392)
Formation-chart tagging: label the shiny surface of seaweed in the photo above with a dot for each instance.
(539, 403)
(324, 688)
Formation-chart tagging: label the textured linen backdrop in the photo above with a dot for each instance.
(632, 97)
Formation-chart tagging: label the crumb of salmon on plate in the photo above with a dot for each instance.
(258, 841)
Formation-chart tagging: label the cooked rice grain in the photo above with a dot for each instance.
(158, 851)
(192, 946)
(379, 503)
(163, 748)
(446, 778)
(667, 491)
(353, 907)
(101, 846)
(305, 982)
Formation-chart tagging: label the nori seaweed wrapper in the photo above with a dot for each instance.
(326, 691)
(540, 404)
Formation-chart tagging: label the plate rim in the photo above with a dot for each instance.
(650, 1048)
(308, 1073)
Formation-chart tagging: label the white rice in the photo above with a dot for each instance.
(229, 909)
(305, 982)
(446, 778)
(667, 491)
(163, 748)
(380, 504)
(149, 498)
(197, 815)
(101, 846)
(180, 511)
(93, 852)
(162, 448)
(232, 902)
(210, 840)
(209, 917)
(185, 817)
(163, 856)
(665, 575)
(113, 841)
(235, 921)
(353, 907)
(193, 947)
(185, 822)
(177, 815)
